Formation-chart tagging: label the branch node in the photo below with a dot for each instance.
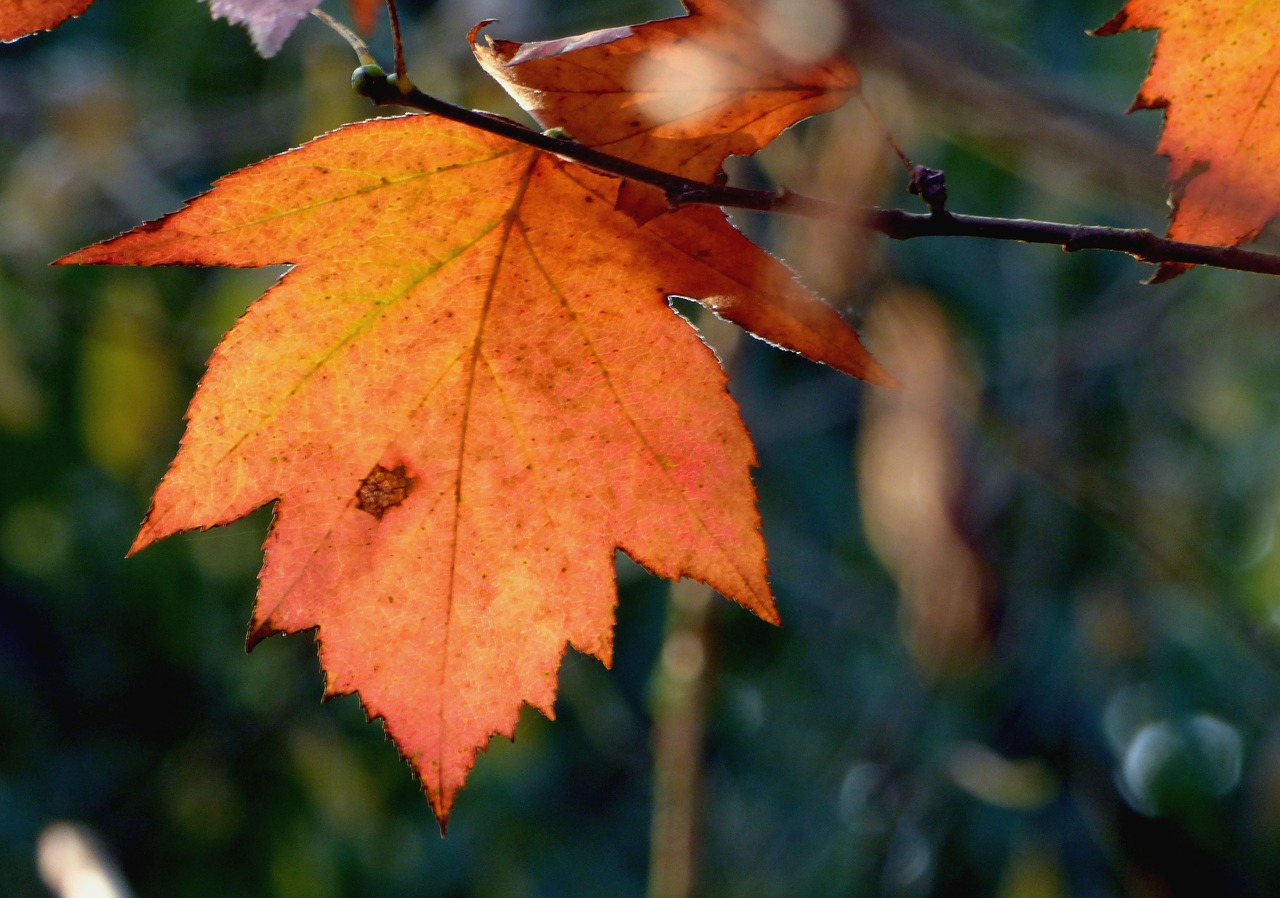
(1074, 241)
(369, 81)
(684, 194)
(400, 83)
(930, 184)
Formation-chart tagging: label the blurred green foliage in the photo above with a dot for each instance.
(1094, 715)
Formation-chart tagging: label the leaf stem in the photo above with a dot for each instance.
(884, 129)
(360, 47)
(897, 224)
(397, 40)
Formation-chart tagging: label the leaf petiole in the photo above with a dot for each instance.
(361, 48)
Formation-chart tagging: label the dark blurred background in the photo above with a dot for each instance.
(1031, 603)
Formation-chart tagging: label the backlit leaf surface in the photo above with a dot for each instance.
(468, 392)
(679, 94)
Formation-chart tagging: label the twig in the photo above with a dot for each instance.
(895, 223)
(883, 128)
(359, 46)
(397, 40)
(680, 691)
(1137, 242)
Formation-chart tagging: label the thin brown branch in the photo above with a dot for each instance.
(895, 223)
(1137, 242)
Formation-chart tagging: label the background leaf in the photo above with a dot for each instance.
(268, 21)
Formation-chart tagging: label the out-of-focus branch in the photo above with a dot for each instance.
(679, 697)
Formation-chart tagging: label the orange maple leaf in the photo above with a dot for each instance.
(1216, 74)
(18, 18)
(679, 94)
(468, 393)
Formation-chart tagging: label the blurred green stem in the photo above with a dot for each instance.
(679, 699)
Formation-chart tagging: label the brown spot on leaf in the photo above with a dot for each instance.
(384, 488)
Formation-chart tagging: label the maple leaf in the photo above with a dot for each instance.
(1216, 74)
(466, 395)
(18, 18)
(679, 94)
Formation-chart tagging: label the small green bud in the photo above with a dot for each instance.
(558, 133)
(366, 79)
(403, 85)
